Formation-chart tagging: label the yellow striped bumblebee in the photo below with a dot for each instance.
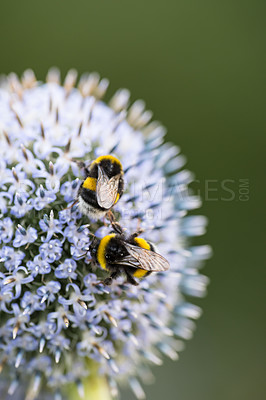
(133, 256)
(102, 187)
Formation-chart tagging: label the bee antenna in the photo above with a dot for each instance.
(114, 148)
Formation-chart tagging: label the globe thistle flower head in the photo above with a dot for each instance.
(58, 323)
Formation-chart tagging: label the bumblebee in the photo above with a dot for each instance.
(133, 256)
(102, 187)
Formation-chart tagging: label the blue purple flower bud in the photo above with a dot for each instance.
(58, 322)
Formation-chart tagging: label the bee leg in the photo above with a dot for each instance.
(83, 255)
(137, 233)
(117, 228)
(82, 165)
(72, 205)
(111, 217)
(108, 281)
(104, 221)
(130, 279)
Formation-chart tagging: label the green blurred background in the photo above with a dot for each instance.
(199, 65)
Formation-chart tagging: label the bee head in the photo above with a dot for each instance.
(110, 164)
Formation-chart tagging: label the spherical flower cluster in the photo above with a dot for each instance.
(57, 321)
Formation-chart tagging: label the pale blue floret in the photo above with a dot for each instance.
(31, 302)
(24, 236)
(18, 182)
(70, 215)
(51, 251)
(48, 291)
(17, 323)
(10, 257)
(79, 247)
(5, 201)
(18, 278)
(61, 317)
(43, 198)
(75, 233)
(28, 162)
(69, 190)
(6, 230)
(43, 331)
(41, 363)
(51, 226)
(22, 205)
(7, 296)
(90, 281)
(26, 342)
(79, 239)
(58, 345)
(39, 265)
(66, 269)
(53, 176)
(80, 302)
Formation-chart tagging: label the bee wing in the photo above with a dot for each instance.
(106, 189)
(143, 259)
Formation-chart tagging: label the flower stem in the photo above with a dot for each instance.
(95, 387)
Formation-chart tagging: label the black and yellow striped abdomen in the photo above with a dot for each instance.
(140, 242)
